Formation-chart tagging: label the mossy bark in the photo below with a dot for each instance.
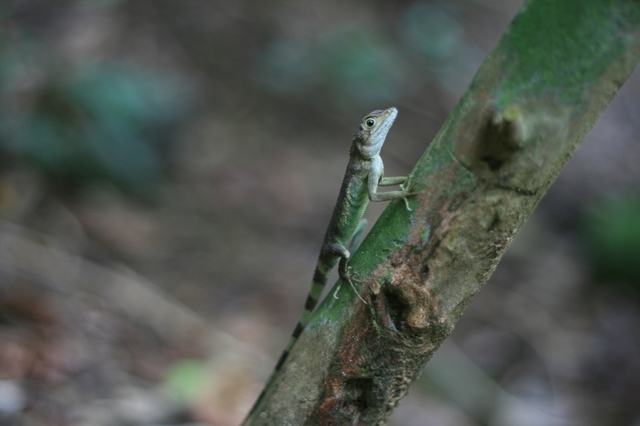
(530, 104)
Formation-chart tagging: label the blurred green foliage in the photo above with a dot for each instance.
(356, 66)
(611, 229)
(186, 379)
(85, 122)
(359, 66)
(430, 31)
(364, 66)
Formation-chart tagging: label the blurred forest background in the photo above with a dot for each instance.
(167, 171)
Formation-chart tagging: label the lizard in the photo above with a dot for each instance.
(365, 172)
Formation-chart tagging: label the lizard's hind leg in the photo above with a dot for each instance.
(343, 268)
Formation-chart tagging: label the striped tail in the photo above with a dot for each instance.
(320, 277)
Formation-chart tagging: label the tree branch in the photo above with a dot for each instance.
(531, 102)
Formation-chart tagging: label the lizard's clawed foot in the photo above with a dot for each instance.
(357, 294)
(406, 203)
(405, 189)
(348, 279)
(335, 293)
(406, 184)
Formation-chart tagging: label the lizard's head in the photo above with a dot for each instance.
(373, 130)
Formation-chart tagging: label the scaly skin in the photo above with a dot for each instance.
(361, 180)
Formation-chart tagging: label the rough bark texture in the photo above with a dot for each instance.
(532, 101)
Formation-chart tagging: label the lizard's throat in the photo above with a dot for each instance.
(369, 151)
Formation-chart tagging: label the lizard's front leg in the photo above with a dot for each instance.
(395, 180)
(376, 179)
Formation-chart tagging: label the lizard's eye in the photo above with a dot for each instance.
(370, 122)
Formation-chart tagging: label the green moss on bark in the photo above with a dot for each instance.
(562, 47)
